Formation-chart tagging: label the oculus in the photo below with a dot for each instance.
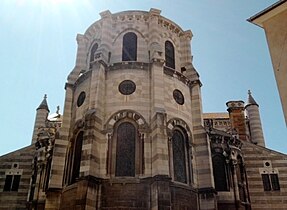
(178, 97)
(81, 99)
(127, 87)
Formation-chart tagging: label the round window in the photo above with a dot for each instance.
(81, 99)
(178, 96)
(127, 87)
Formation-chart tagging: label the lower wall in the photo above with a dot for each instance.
(69, 197)
(126, 194)
(183, 198)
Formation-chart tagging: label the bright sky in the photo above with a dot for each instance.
(38, 49)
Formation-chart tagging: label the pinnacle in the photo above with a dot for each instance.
(250, 100)
(44, 104)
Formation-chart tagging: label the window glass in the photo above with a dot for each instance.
(8, 182)
(220, 173)
(12, 183)
(129, 51)
(125, 150)
(93, 52)
(179, 164)
(15, 184)
(266, 182)
(77, 156)
(275, 181)
(169, 55)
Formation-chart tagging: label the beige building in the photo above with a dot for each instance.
(274, 22)
(133, 134)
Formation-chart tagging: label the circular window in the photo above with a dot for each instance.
(127, 87)
(81, 99)
(178, 96)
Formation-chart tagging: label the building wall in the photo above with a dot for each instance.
(273, 21)
(255, 162)
(23, 159)
(152, 107)
(155, 111)
(276, 33)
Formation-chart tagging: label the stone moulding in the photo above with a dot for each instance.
(176, 74)
(128, 65)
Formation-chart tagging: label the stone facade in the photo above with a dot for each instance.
(133, 135)
(273, 21)
(17, 163)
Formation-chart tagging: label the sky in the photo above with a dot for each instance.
(38, 50)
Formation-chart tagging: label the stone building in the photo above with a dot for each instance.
(273, 21)
(133, 135)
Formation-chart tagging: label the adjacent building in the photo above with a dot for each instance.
(133, 135)
(274, 22)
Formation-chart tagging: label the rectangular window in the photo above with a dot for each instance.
(8, 182)
(266, 182)
(275, 181)
(12, 183)
(270, 182)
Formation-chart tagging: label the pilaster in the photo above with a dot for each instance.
(62, 142)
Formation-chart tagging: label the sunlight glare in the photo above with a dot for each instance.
(54, 2)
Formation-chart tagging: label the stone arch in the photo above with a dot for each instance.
(137, 32)
(91, 46)
(139, 131)
(93, 31)
(79, 125)
(174, 122)
(169, 37)
(181, 166)
(130, 114)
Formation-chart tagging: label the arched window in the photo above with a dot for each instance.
(129, 51)
(220, 173)
(77, 150)
(125, 150)
(179, 156)
(93, 52)
(169, 55)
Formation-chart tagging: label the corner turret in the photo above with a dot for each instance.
(41, 117)
(254, 121)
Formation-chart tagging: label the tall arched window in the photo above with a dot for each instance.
(220, 173)
(77, 151)
(93, 52)
(179, 156)
(169, 55)
(125, 150)
(129, 51)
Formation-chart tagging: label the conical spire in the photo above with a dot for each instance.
(250, 100)
(44, 104)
